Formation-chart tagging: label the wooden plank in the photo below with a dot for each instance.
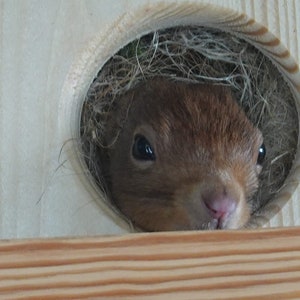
(50, 50)
(262, 264)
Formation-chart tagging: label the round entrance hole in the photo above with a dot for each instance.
(197, 54)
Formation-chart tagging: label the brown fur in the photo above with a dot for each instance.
(204, 145)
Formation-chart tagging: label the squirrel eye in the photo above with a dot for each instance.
(261, 154)
(142, 149)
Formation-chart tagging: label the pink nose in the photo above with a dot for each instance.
(219, 204)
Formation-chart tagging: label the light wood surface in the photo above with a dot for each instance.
(191, 265)
(50, 51)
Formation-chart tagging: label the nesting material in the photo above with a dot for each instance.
(198, 54)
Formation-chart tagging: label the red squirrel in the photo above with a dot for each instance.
(182, 156)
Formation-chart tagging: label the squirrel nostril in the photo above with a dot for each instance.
(219, 205)
(216, 214)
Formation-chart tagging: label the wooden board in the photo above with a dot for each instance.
(50, 51)
(231, 265)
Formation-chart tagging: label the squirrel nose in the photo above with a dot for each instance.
(219, 204)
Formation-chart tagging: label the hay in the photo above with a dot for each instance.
(198, 54)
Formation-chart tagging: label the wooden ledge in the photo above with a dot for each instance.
(262, 264)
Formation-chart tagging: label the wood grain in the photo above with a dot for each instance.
(261, 264)
(48, 58)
